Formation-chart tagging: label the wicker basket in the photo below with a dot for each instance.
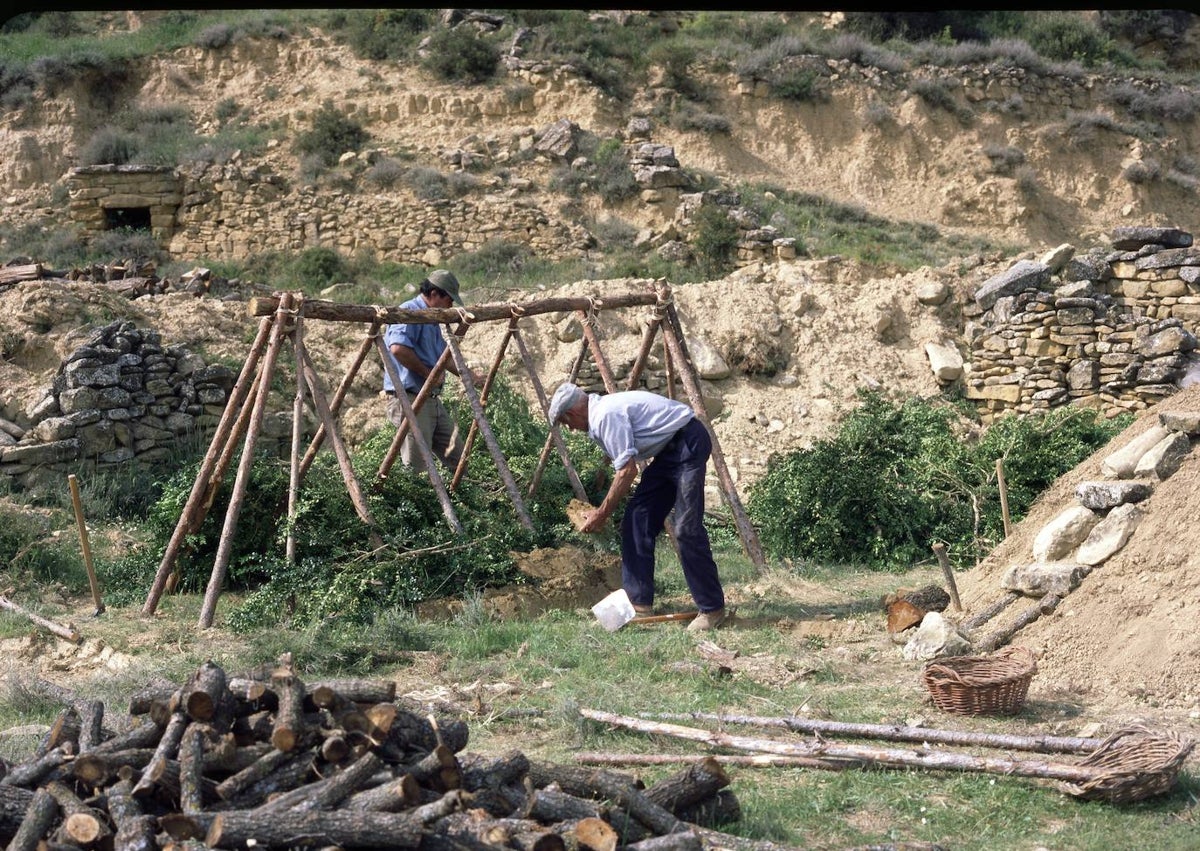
(1132, 764)
(981, 685)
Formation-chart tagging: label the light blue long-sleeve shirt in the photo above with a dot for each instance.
(425, 339)
(634, 424)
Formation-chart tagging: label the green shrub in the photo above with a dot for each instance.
(386, 33)
(225, 109)
(897, 477)
(385, 173)
(687, 116)
(331, 135)
(315, 268)
(109, 146)
(1065, 36)
(798, 84)
(30, 549)
(714, 239)
(614, 179)
(459, 56)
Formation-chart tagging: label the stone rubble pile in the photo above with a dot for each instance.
(120, 397)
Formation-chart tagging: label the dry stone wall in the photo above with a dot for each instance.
(1115, 330)
(121, 397)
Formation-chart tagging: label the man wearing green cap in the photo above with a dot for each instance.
(416, 348)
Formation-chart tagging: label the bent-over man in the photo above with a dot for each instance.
(637, 425)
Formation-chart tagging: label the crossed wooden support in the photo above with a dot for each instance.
(283, 317)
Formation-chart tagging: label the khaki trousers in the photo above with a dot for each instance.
(438, 427)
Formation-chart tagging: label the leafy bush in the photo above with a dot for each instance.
(315, 268)
(385, 173)
(459, 56)
(109, 145)
(386, 33)
(614, 179)
(337, 572)
(29, 546)
(1064, 36)
(714, 239)
(897, 477)
(331, 135)
(798, 84)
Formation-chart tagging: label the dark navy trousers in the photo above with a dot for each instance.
(674, 479)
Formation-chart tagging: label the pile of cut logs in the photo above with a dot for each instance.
(266, 760)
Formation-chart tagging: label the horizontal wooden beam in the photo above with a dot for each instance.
(337, 312)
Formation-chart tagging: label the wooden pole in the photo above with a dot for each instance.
(195, 509)
(488, 381)
(939, 550)
(362, 313)
(587, 318)
(1044, 606)
(435, 477)
(431, 382)
(83, 543)
(68, 632)
(335, 404)
(339, 448)
(990, 612)
(489, 437)
(572, 376)
(242, 480)
(639, 363)
(673, 334)
(928, 758)
(895, 732)
(555, 433)
(297, 435)
(1003, 496)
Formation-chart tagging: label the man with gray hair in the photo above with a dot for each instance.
(637, 425)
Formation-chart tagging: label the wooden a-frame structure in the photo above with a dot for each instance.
(283, 317)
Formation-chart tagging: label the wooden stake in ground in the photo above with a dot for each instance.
(242, 480)
(939, 550)
(1003, 496)
(83, 543)
(196, 507)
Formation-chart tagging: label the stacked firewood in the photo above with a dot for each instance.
(265, 759)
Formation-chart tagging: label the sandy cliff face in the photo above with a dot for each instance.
(868, 140)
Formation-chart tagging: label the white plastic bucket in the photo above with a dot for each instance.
(614, 611)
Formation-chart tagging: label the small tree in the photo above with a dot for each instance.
(458, 56)
(332, 134)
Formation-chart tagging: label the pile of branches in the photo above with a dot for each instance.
(265, 759)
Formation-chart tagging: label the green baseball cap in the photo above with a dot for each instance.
(447, 283)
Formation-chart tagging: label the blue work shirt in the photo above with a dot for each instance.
(634, 424)
(424, 338)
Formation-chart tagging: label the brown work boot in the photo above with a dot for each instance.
(707, 620)
(641, 610)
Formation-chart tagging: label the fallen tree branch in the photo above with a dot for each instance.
(747, 761)
(930, 759)
(896, 733)
(68, 632)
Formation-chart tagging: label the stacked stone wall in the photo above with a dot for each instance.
(120, 398)
(1115, 330)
